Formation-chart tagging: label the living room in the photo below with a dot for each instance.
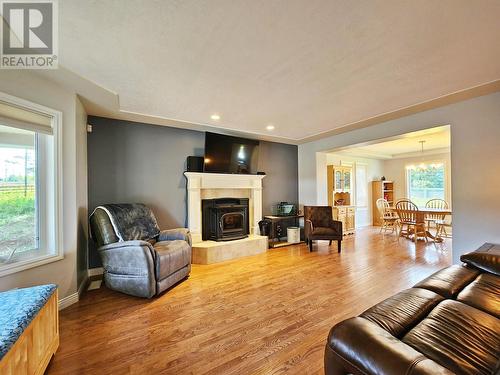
(149, 178)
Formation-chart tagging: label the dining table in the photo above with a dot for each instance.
(424, 212)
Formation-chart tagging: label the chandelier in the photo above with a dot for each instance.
(422, 166)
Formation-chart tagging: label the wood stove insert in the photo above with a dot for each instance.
(224, 219)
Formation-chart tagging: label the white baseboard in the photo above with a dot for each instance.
(68, 300)
(95, 271)
(75, 297)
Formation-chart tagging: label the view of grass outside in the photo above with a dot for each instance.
(18, 224)
(426, 183)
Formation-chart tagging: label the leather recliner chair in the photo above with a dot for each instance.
(139, 259)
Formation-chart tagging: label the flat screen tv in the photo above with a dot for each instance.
(226, 154)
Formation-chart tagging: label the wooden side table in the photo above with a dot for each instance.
(279, 225)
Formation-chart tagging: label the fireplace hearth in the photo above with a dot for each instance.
(224, 219)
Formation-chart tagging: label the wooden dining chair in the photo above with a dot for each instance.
(402, 200)
(439, 220)
(442, 228)
(408, 217)
(389, 218)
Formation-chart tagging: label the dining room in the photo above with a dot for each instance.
(401, 186)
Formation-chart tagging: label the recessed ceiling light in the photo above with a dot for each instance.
(215, 117)
(270, 127)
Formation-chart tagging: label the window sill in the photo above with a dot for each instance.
(25, 264)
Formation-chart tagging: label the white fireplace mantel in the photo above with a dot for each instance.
(198, 182)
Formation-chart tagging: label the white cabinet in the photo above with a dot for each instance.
(347, 215)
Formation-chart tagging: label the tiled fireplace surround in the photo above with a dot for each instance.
(217, 185)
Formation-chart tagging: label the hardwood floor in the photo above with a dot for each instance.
(264, 314)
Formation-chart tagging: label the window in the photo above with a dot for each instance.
(361, 185)
(18, 188)
(426, 181)
(29, 185)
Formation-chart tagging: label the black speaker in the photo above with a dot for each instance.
(195, 163)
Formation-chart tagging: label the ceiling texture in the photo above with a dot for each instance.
(436, 140)
(309, 68)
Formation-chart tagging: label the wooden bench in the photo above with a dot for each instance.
(29, 329)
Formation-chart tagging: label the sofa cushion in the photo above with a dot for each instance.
(18, 307)
(483, 293)
(449, 281)
(486, 258)
(368, 349)
(171, 256)
(324, 231)
(401, 312)
(460, 337)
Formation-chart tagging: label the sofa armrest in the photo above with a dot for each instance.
(359, 346)
(486, 258)
(337, 225)
(128, 258)
(308, 228)
(175, 234)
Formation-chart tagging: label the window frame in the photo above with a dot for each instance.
(445, 177)
(53, 250)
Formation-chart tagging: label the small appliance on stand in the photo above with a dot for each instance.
(284, 227)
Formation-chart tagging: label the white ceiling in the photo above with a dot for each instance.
(307, 67)
(437, 140)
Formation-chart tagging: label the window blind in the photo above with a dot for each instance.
(22, 118)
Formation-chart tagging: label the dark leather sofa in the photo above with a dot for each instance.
(448, 323)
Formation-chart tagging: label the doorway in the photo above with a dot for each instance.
(415, 166)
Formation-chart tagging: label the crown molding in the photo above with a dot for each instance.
(458, 96)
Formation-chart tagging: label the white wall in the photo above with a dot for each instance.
(475, 150)
(81, 193)
(32, 87)
(395, 170)
(374, 170)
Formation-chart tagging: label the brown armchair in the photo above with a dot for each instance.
(319, 225)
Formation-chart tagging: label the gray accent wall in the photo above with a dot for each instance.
(135, 162)
(279, 161)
